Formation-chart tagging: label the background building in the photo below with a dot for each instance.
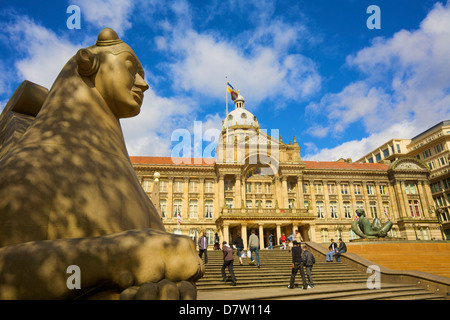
(258, 182)
(432, 147)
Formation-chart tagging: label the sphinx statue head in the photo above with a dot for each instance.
(115, 71)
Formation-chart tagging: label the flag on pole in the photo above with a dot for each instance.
(385, 213)
(231, 90)
(179, 218)
(356, 216)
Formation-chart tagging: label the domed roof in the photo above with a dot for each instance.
(240, 117)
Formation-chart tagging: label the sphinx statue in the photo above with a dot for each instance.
(365, 229)
(69, 194)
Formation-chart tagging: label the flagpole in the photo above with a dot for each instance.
(226, 95)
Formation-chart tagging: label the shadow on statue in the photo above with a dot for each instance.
(367, 230)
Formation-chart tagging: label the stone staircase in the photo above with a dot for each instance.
(332, 281)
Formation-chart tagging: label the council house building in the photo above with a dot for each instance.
(259, 182)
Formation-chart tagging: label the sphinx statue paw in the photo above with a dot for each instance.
(163, 290)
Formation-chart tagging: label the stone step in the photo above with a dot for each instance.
(386, 292)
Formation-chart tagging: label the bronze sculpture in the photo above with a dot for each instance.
(365, 229)
(69, 194)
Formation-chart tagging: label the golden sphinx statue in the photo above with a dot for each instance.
(69, 194)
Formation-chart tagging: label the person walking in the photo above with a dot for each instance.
(308, 261)
(297, 236)
(216, 242)
(228, 263)
(239, 243)
(297, 265)
(270, 247)
(203, 247)
(332, 247)
(253, 246)
(291, 239)
(341, 249)
(283, 241)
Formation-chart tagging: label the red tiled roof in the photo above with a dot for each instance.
(173, 161)
(332, 165)
(345, 165)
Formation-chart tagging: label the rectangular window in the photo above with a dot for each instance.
(229, 185)
(258, 188)
(438, 148)
(210, 236)
(319, 206)
(147, 185)
(209, 209)
(426, 153)
(377, 157)
(331, 188)
(373, 209)
(306, 204)
(383, 189)
(249, 204)
(324, 235)
(305, 187)
(386, 153)
(334, 211)
(370, 189)
(410, 188)
(291, 203)
(318, 188)
(177, 208)
(178, 186)
(229, 203)
(357, 188)
(414, 208)
(398, 148)
(268, 204)
(248, 187)
(209, 187)
(344, 189)
(193, 186)
(162, 186)
(193, 209)
(347, 210)
(163, 206)
(267, 188)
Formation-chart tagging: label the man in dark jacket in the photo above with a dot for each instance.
(228, 262)
(297, 265)
(342, 249)
(308, 261)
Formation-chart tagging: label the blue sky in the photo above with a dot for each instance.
(311, 69)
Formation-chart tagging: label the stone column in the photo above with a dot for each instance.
(244, 235)
(284, 191)
(201, 199)
(169, 205)
(185, 201)
(261, 236)
(226, 233)
(340, 206)
(326, 200)
(221, 191)
(237, 192)
(278, 235)
(300, 198)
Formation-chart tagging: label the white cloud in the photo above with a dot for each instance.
(41, 52)
(265, 62)
(115, 14)
(406, 80)
(355, 149)
(149, 133)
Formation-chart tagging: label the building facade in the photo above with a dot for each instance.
(258, 182)
(432, 147)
